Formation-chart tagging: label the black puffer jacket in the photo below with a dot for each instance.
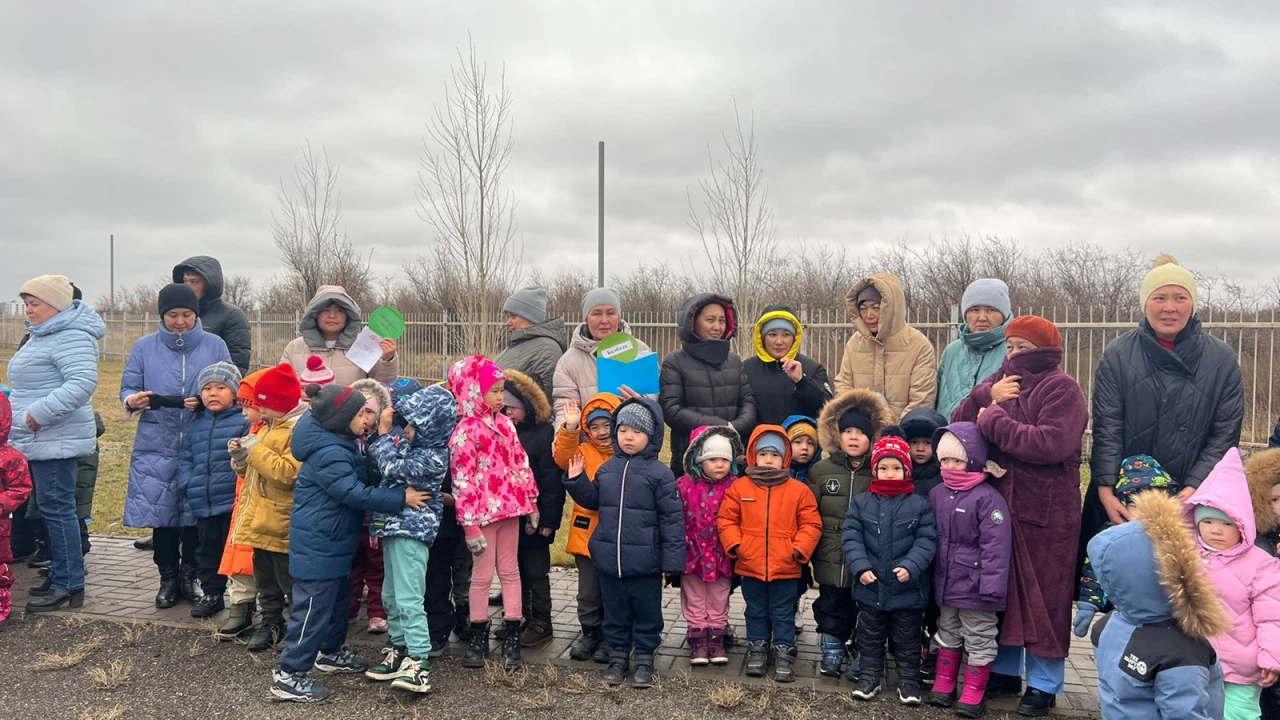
(703, 383)
(217, 315)
(1275, 436)
(536, 437)
(777, 396)
(882, 533)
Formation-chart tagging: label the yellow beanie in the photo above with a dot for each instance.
(1166, 271)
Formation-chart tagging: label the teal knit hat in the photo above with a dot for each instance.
(1205, 512)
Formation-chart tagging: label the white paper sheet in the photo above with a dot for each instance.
(364, 353)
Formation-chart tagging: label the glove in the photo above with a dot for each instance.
(476, 545)
(1084, 615)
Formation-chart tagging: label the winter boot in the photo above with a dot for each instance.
(715, 646)
(190, 586)
(601, 655)
(757, 658)
(170, 587)
(536, 634)
(698, 651)
(239, 621)
(511, 644)
(586, 644)
(616, 673)
(267, 636)
(1036, 703)
(643, 677)
(207, 606)
(478, 650)
(832, 655)
(784, 663)
(944, 679)
(866, 688)
(972, 702)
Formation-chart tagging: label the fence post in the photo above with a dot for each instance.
(257, 340)
(444, 344)
(954, 333)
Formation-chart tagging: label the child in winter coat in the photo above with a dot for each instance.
(846, 428)
(971, 576)
(367, 568)
(237, 559)
(206, 479)
(918, 427)
(525, 403)
(802, 433)
(15, 486)
(1155, 661)
(705, 582)
(417, 457)
(586, 433)
(1247, 579)
(640, 536)
(889, 541)
(1263, 471)
(270, 471)
(767, 505)
(493, 487)
(328, 502)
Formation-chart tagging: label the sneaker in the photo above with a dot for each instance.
(414, 676)
(266, 636)
(865, 689)
(391, 667)
(908, 692)
(643, 673)
(536, 634)
(438, 647)
(206, 606)
(377, 626)
(296, 687)
(345, 660)
(799, 622)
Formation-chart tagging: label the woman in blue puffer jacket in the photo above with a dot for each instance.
(159, 388)
(53, 376)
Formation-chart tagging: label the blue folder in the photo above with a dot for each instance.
(641, 374)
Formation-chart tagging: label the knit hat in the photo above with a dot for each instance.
(1206, 512)
(802, 426)
(716, 447)
(777, 324)
(987, 291)
(867, 294)
(278, 389)
(855, 418)
(335, 406)
(950, 448)
(177, 296)
(487, 374)
(771, 441)
(961, 441)
(891, 446)
(600, 296)
(245, 392)
(1166, 271)
(529, 303)
(637, 417)
(512, 400)
(921, 423)
(1035, 329)
(55, 291)
(316, 372)
(221, 372)
(597, 414)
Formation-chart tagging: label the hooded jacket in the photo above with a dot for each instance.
(1263, 471)
(881, 533)
(702, 383)
(922, 422)
(15, 480)
(575, 376)
(965, 362)
(312, 342)
(52, 378)
(535, 351)
(701, 498)
(569, 443)
(1247, 578)
(1153, 654)
(800, 471)
(1274, 441)
(769, 526)
(205, 476)
(777, 397)
(537, 437)
(489, 469)
(270, 472)
(166, 363)
(641, 526)
(220, 317)
(329, 501)
(420, 463)
(837, 479)
(898, 361)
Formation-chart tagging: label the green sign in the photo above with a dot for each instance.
(387, 322)
(618, 346)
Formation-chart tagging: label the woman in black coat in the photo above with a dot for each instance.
(783, 381)
(703, 383)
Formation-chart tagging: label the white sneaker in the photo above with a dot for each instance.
(799, 622)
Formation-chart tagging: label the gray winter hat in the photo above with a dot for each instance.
(220, 372)
(529, 303)
(637, 417)
(601, 296)
(990, 292)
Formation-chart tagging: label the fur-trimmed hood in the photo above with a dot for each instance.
(376, 390)
(865, 401)
(523, 387)
(699, 438)
(1263, 472)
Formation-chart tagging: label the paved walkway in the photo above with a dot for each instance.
(122, 585)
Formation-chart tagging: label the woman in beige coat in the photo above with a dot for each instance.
(329, 326)
(575, 377)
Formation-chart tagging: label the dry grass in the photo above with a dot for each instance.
(541, 700)
(727, 695)
(497, 675)
(115, 674)
(61, 661)
(131, 633)
(112, 713)
(575, 683)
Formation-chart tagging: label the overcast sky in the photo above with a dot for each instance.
(1151, 125)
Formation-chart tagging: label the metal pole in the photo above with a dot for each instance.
(113, 272)
(600, 274)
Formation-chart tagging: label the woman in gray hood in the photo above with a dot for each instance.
(329, 326)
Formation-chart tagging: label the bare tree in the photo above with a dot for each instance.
(735, 224)
(466, 151)
(238, 290)
(306, 231)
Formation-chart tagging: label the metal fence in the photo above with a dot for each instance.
(431, 343)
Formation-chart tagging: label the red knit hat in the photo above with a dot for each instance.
(1034, 329)
(891, 446)
(278, 389)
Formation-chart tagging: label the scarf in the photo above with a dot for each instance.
(961, 480)
(767, 476)
(892, 488)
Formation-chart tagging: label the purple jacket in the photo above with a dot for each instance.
(975, 539)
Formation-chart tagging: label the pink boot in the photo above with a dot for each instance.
(698, 647)
(972, 699)
(944, 679)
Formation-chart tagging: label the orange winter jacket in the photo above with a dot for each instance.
(569, 443)
(767, 517)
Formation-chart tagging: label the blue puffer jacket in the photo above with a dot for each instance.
(165, 363)
(205, 476)
(641, 526)
(421, 463)
(965, 362)
(52, 377)
(328, 501)
(882, 533)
